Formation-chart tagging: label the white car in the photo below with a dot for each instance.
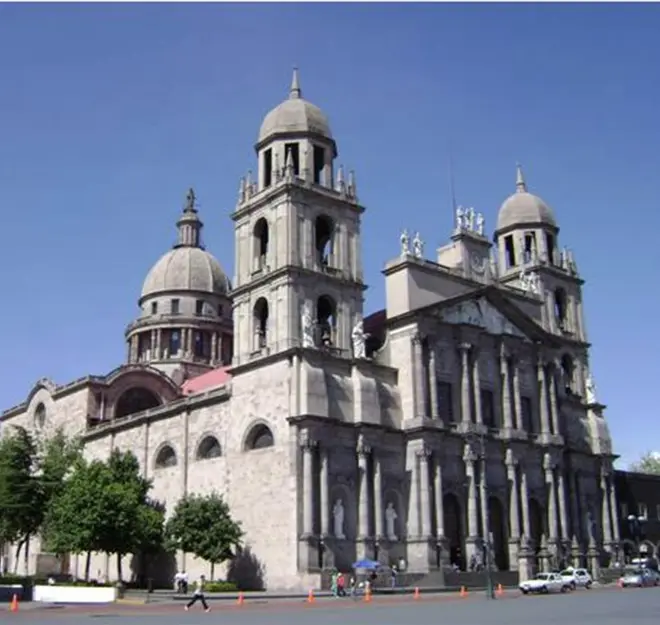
(544, 583)
(577, 578)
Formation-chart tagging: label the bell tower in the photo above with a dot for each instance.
(297, 239)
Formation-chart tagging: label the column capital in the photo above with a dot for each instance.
(464, 347)
(306, 441)
(510, 459)
(469, 455)
(424, 453)
(548, 462)
(362, 449)
(417, 338)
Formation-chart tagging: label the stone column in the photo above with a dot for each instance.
(214, 347)
(465, 383)
(615, 510)
(554, 409)
(507, 416)
(325, 491)
(543, 398)
(561, 495)
(159, 344)
(472, 504)
(378, 498)
(433, 383)
(363, 451)
(439, 498)
(517, 397)
(476, 386)
(605, 509)
(577, 524)
(514, 503)
(152, 345)
(134, 347)
(524, 496)
(418, 372)
(552, 499)
(307, 446)
(424, 491)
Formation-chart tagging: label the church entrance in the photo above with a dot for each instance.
(454, 530)
(498, 528)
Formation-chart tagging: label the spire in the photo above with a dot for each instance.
(295, 91)
(521, 187)
(189, 224)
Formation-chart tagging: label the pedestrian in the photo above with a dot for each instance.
(198, 595)
(333, 583)
(341, 585)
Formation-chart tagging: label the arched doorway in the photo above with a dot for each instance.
(135, 400)
(498, 528)
(454, 529)
(535, 523)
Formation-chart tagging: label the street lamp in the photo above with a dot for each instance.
(478, 441)
(635, 525)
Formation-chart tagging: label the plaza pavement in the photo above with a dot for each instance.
(610, 606)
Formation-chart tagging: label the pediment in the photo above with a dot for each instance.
(483, 314)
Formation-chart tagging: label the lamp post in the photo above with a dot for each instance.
(478, 441)
(635, 524)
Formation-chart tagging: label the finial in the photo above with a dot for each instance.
(521, 187)
(295, 92)
(339, 183)
(190, 201)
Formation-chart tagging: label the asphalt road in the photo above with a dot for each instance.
(605, 607)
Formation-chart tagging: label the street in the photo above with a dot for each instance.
(604, 607)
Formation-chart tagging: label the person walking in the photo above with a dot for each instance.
(198, 595)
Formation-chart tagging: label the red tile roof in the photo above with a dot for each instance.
(206, 381)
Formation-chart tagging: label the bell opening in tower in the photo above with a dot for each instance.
(550, 244)
(268, 168)
(326, 321)
(294, 150)
(319, 164)
(323, 227)
(530, 247)
(510, 251)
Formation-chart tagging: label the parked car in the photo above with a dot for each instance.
(544, 583)
(577, 578)
(639, 578)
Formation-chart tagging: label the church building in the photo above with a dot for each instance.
(458, 423)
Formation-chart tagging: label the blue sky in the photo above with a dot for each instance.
(108, 113)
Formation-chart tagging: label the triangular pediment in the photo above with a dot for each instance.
(484, 314)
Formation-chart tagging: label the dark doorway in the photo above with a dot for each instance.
(454, 530)
(498, 528)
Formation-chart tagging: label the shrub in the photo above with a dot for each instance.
(221, 587)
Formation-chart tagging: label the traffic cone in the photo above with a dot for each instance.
(310, 596)
(367, 594)
(241, 599)
(13, 606)
(500, 591)
(416, 593)
(619, 583)
(463, 591)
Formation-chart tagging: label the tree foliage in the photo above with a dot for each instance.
(202, 525)
(648, 463)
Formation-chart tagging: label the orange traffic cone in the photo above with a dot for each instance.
(367, 593)
(241, 599)
(310, 596)
(463, 591)
(13, 606)
(500, 591)
(619, 583)
(416, 593)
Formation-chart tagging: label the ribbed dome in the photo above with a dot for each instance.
(295, 115)
(524, 208)
(186, 269)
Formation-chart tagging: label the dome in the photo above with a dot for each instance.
(186, 269)
(524, 208)
(295, 115)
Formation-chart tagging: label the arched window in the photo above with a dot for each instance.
(135, 400)
(260, 235)
(560, 308)
(568, 374)
(326, 321)
(261, 324)
(40, 416)
(259, 437)
(209, 448)
(165, 458)
(323, 228)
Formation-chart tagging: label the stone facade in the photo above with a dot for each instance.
(463, 410)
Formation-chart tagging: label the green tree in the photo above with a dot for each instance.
(648, 463)
(21, 504)
(77, 516)
(202, 525)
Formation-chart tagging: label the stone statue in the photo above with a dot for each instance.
(418, 246)
(405, 244)
(460, 218)
(481, 223)
(307, 325)
(469, 219)
(359, 340)
(338, 516)
(529, 281)
(591, 390)
(390, 522)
